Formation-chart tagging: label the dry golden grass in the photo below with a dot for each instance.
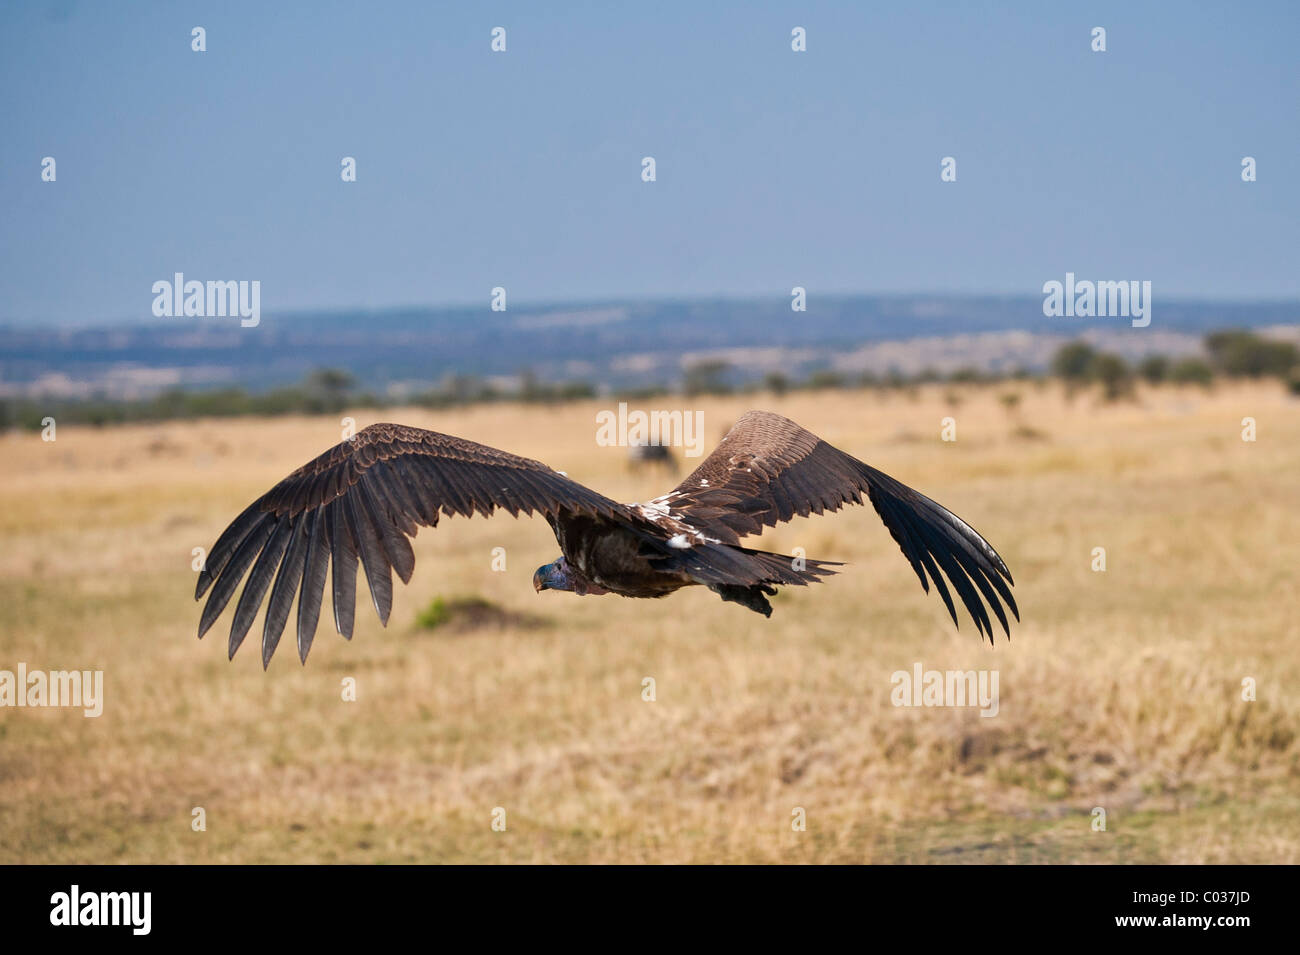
(1119, 689)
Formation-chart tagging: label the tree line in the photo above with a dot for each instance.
(1232, 353)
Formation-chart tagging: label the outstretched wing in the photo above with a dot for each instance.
(768, 469)
(360, 501)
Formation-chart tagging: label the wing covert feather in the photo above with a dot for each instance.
(360, 502)
(768, 470)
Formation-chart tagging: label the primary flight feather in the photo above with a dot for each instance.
(361, 501)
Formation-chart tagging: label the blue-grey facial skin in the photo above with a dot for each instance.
(553, 576)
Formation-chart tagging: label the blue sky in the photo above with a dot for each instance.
(522, 169)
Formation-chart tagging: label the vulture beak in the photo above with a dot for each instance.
(557, 575)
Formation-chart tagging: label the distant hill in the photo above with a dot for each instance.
(611, 344)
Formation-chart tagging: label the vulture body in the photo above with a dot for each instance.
(360, 501)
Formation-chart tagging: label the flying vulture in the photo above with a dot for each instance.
(361, 500)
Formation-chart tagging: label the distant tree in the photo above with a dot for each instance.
(776, 382)
(1154, 368)
(575, 390)
(825, 378)
(332, 381)
(707, 378)
(1191, 371)
(1237, 351)
(1073, 360)
(1112, 373)
(325, 390)
(641, 394)
(221, 402)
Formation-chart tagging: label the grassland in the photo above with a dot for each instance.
(1120, 689)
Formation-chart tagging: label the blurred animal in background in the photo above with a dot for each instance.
(360, 501)
(649, 457)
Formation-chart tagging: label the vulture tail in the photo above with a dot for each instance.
(731, 565)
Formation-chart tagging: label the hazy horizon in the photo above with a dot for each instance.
(294, 313)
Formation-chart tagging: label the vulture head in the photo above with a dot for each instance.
(559, 574)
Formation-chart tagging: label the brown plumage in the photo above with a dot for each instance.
(360, 501)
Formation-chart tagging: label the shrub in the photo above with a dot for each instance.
(1239, 352)
(1191, 371)
(1154, 368)
(1072, 361)
(1113, 373)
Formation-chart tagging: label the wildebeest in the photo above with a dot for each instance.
(643, 456)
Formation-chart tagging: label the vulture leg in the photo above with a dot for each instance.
(750, 596)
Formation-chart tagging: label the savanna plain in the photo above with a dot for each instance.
(1121, 689)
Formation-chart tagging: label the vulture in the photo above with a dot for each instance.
(361, 501)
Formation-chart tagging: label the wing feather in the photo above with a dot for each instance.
(226, 546)
(258, 581)
(314, 571)
(234, 567)
(343, 548)
(287, 581)
(768, 469)
(359, 503)
(379, 575)
(392, 526)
